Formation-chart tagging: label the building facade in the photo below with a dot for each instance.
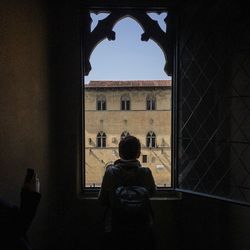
(114, 109)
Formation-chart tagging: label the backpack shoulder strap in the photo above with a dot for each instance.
(116, 174)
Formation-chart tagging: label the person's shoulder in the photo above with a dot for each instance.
(110, 170)
(145, 170)
(148, 180)
(146, 173)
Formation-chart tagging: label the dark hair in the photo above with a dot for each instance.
(129, 148)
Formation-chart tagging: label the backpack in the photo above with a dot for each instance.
(131, 207)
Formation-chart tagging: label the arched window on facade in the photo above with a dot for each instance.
(101, 140)
(125, 102)
(151, 140)
(101, 102)
(124, 134)
(151, 102)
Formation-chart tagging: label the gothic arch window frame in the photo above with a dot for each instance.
(101, 140)
(104, 29)
(151, 141)
(119, 10)
(101, 102)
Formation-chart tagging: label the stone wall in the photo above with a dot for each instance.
(138, 121)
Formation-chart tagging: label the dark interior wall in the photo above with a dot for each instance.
(39, 99)
(24, 103)
(24, 92)
(206, 223)
(39, 96)
(239, 227)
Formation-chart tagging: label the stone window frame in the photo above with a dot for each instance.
(144, 158)
(151, 140)
(151, 102)
(101, 140)
(137, 11)
(125, 102)
(101, 103)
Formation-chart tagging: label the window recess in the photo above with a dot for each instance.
(91, 37)
(211, 98)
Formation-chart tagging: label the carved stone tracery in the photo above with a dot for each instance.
(104, 29)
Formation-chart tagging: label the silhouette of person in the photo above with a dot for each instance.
(127, 166)
(15, 221)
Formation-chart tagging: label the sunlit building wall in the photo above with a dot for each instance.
(116, 108)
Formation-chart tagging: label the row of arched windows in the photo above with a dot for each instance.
(102, 138)
(101, 103)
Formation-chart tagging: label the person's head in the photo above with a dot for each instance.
(129, 148)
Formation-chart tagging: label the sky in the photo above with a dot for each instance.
(127, 57)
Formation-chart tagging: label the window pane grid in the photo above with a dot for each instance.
(214, 110)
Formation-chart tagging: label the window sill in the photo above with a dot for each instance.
(161, 195)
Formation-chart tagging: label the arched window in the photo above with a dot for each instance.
(151, 102)
(96, 46)
(101, 102)
(151, 140)
(101, 140)
(124, 134)
(125, 102)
